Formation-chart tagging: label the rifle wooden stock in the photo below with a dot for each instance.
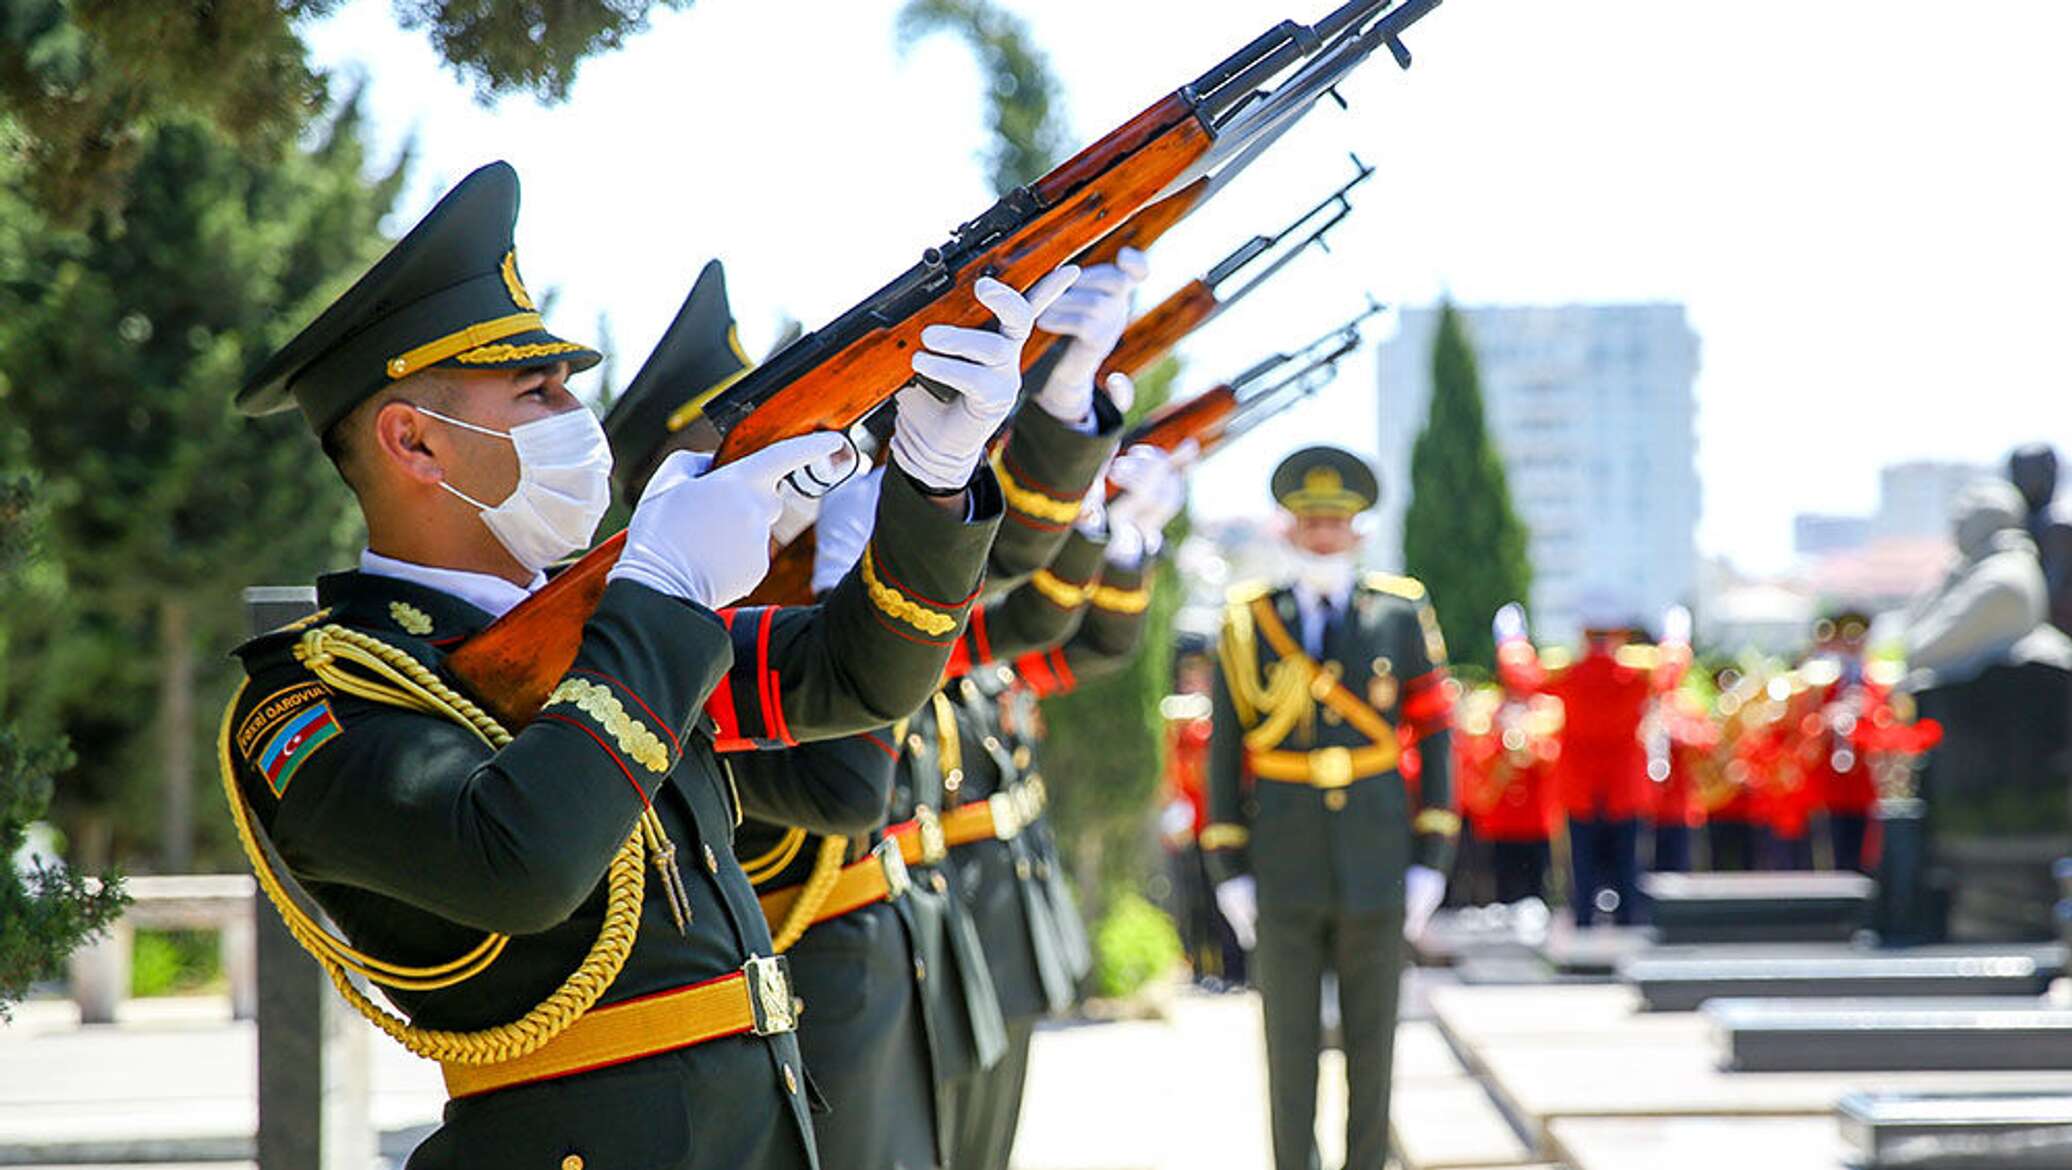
(790, 579)
(1085, 198)
(1201, 418)
(510, 665)
(1153, 335)
(1140, 231)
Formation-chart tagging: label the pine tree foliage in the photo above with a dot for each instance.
(1461, 536)
(84, 82)
(121, 342)
(46, 910)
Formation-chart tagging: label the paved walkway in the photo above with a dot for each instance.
(172, 1085)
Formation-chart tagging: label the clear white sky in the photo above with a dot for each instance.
(1864, 205)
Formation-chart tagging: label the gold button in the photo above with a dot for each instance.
(992, 744)
(572, 1162)
(711, 860)
(1334, 800)
(942, 884)
(1021, 869)
(914, 744)
(920, 970)
(791, 1080)
(397, 368)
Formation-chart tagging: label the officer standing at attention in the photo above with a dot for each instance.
(555, 908)
(1319, 851)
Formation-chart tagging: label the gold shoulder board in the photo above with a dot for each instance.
(1408, 588)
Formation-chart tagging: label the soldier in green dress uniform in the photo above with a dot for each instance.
(555, 908)
(1322, 848)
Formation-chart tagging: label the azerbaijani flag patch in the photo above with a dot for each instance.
(296, 741)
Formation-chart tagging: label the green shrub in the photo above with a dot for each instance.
(1135, 944)
(173, 962)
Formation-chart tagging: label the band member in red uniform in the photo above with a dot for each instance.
(1213, 953)
(1726, 792)
(1512, 758)
(1847, 696)
(1678, 734)
(1602, 771)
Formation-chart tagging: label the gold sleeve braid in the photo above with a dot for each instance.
(1032, 502)
(894, 604)
(1058, 591)
(394, 678)
(1116, 600)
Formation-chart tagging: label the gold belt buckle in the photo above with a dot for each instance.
(934, 845)
(1006, 815)
(897, 880)
(769, 994)
(1331, 767)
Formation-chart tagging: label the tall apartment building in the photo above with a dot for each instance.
(1591, 409)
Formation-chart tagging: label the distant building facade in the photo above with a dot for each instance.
(1914, 498)
(1591, 408)
(1818, 534)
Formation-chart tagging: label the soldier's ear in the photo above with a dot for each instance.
(403, 441)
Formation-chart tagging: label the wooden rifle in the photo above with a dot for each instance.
(1228, 410)
(831, 378)
(1194, 304)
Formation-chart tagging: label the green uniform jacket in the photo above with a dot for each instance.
(1017, 890)
(866, 1040)
(416, 837)
(1347, 849)
(1045, 469)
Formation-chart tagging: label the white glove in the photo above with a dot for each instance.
(1122, 391)
(1093, 315)
(1152, 491)
(1238, 898)
(847, 515)
(702, 533)
(1423, 889)
(940, 443)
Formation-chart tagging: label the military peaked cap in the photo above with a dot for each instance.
(1325, 481)
(699, 355)
(448, 294)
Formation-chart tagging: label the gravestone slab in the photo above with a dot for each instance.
(1823, 1035)
(1958, 1131)
(1682, 984)
(1757, 907)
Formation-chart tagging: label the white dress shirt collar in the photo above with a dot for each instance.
(489, 593)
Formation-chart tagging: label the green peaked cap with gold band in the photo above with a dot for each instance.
(1325, 481)
(448, 294)
(699, 356)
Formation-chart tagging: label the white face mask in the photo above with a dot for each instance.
(1326, 574)
(564, 486)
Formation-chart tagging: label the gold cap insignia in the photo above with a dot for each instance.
(513, 285)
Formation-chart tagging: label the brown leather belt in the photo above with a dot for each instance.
(756, 999)
(999, 817)
(1331, 767)
(879, 877)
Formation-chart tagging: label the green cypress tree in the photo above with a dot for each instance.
(1461, 536)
